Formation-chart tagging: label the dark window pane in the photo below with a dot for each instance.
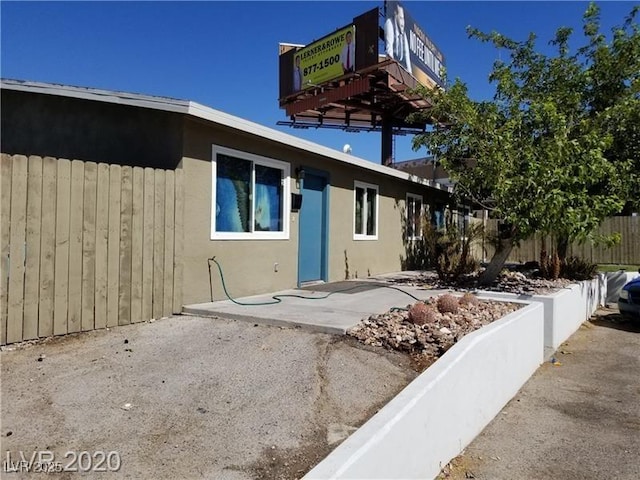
(233, 192)
(371, 211)
(417, 220)
(268, 202)
(359, 208)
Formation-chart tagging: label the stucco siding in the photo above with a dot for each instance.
(249, 265)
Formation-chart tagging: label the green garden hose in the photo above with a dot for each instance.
(278, 298)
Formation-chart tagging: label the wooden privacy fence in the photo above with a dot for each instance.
(627, 252)
(86, 245)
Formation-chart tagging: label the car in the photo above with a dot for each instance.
(629, 301)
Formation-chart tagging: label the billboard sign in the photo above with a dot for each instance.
(328, 58)
(406, 42)
(347, 50)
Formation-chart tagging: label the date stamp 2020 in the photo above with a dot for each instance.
(46, 461)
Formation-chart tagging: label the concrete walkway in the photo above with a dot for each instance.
(328, 308)
(578, 419)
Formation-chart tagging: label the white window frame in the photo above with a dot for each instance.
(286, 194)
(415, 197)
(365, 186)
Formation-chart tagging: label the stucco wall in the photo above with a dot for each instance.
(63, 127)
(249, 264)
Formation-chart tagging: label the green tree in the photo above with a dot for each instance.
(549, 153)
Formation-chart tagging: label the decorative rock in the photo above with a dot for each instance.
(431, 339)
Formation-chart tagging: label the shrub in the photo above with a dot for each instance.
(452, 250)
(421, 313)
(575, 268)
(447, 303)
(468, 299)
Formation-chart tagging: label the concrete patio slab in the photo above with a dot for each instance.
(328, 308)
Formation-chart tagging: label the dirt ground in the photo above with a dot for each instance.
(576, 418)
(189, 397)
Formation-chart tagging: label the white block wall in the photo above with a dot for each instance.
(438, 414)
(564, 311)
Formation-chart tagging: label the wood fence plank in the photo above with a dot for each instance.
(179, 239)
(47, 247)
(102, 242)
(89, 246)
(611, 251)
(32, 260)
(627, 255)
(17, 248)
(113, 247)
(169, 228)
(158, 244)
(597, 250)
(61, 275)
(625, 228)
(147, 244)
(5, 231)
(607, 254)
(136, 245)
(635, 241)
(75, 246)
(126, 208)
(627, 252)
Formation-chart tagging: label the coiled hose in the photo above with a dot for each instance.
(278, 298)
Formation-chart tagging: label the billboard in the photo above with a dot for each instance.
(328, 58)
(319, 62)
(346, 50)
(406, 42)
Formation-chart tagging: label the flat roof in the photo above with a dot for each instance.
(203, 112)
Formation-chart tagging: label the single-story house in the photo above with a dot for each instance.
(117, 169)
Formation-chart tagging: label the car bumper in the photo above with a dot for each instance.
(631, 310)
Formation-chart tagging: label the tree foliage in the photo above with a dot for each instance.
(558, 147)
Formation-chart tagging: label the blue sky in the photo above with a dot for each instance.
(225, 54)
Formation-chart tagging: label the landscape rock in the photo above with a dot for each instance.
(394, 330)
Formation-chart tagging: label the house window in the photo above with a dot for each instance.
(414, 216)
(250, 196)
(437, 217)
(463, 220)
(365, 211)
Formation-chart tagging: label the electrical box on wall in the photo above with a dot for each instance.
(296, 202)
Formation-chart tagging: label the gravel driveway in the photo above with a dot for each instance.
(189, 397)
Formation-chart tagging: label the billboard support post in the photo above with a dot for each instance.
(387, 140)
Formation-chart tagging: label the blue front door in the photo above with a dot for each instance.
(312, 258)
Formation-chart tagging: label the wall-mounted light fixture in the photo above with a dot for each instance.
(299, 173)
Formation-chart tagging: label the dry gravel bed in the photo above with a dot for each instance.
(508, 282)
(428, 341)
